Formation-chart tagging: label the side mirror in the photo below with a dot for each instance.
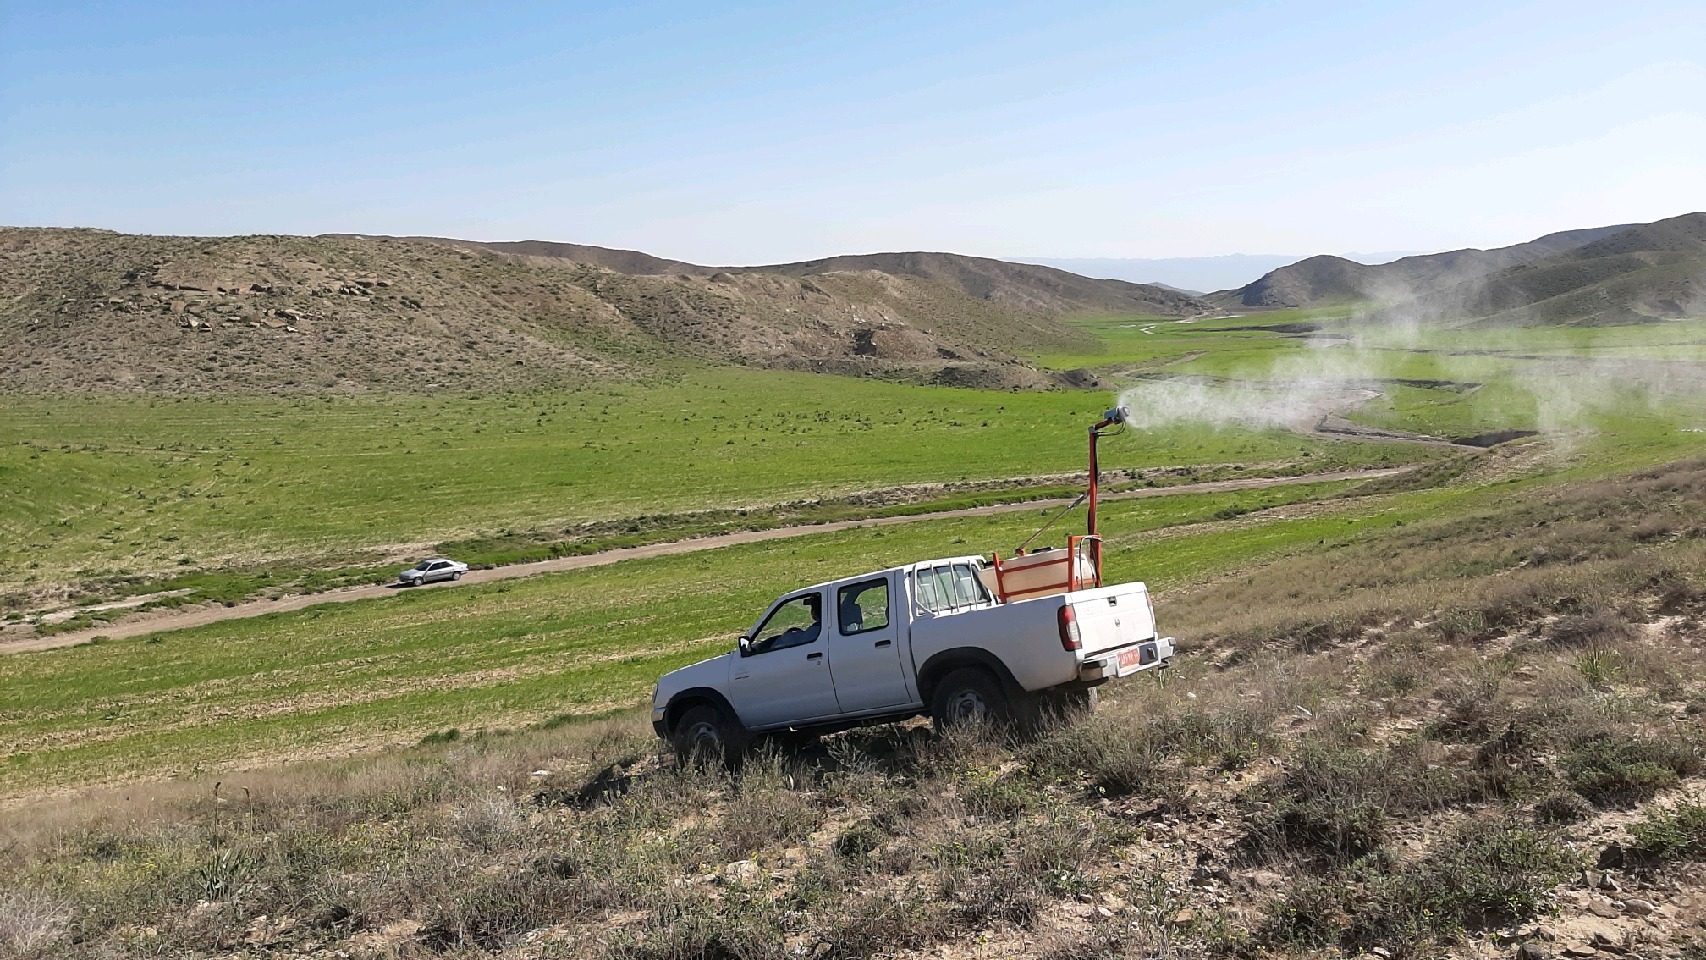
(744, 645)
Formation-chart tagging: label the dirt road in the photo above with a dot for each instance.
(158, 621)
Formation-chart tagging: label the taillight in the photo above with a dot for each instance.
(1070, 639)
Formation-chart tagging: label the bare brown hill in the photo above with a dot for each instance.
(1322, 279)
(92, 309)
(1025, 285)
(1327, 279)
(1044, 289)
(622, 261)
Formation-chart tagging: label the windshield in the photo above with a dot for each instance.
(793, 624)
(422, 565)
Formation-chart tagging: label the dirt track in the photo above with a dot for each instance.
(163, 620)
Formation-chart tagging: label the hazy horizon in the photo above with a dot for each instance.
(1198, 274)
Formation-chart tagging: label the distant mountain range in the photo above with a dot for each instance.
(1328, 278)
(1191, 274)
(1638, 274)
(1628, 273)
(93, 309)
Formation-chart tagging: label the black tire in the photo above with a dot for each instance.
(456, 576)
(969, 695)
(707, 734)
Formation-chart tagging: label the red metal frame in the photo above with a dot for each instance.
(1072, 543)
(1095, 481)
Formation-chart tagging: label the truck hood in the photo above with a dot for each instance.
(713, 673)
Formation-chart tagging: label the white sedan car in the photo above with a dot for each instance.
(437, 568)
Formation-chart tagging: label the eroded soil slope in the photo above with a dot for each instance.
(88, 309)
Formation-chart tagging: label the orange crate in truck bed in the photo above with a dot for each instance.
(1045, 572)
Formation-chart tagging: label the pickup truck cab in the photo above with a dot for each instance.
(928, 637)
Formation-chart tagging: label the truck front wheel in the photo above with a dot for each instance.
(707, 734)
(969, 695)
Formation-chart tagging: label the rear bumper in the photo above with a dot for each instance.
(1125, 661)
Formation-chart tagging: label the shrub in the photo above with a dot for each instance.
(695, 927)
(1469, 711)
(1311, 914)
(1678, 833)
(31, 922)
(487, 912)
(1116, 759)
(990, 793)
(1335, 800)
(1594, 629)
(877, 924)
(1562, 806)
(1612, 770)
(1230, 739)
(1338, 827)
(1486, 875)
(859, 841)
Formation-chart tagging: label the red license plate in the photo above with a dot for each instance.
(1130, 659)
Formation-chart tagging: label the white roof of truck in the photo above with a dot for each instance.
(973, 558)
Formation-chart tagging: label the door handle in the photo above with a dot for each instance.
(884, 643)
(814, 656)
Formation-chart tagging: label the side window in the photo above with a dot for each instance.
(966, 588)
(944, 589)
(792, 624)
(863, 606)
(926, 581)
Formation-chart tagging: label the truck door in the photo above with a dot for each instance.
(783, 677)
(864, 651)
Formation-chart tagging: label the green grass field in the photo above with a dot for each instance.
(117, 487)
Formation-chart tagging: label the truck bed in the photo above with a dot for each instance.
(1025, 635)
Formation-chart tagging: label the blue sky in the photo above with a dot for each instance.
(749, 133)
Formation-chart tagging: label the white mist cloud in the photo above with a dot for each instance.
(1555, 392)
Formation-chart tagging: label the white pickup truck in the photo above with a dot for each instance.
(924, 638)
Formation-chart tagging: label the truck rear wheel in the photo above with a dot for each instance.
(969, 695)
(707, 734)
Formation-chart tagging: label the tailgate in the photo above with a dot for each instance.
(1110, 617)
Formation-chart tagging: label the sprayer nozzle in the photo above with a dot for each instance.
(1117, 414)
